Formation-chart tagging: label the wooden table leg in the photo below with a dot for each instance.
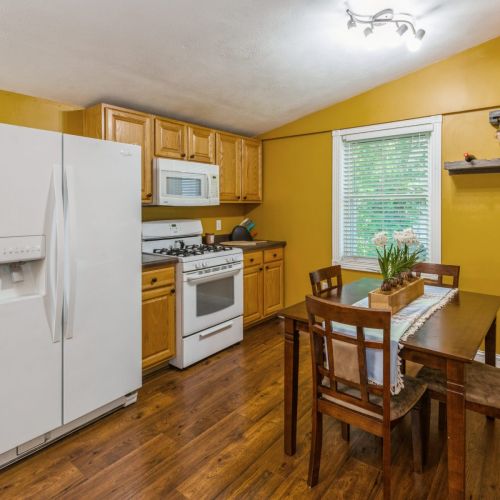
(455, 404)
(291, 384)
(490, 345)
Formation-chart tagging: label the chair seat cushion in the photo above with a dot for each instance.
(401, 404)
(482, 383)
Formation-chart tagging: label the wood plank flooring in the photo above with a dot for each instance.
(216, 431)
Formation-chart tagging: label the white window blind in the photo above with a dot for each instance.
(383, 181)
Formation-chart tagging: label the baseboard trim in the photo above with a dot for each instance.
(480, 356)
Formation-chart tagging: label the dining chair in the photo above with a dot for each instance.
(322, 280)
(439, 270)
(482, 388)
(433, 375)
(342, 390)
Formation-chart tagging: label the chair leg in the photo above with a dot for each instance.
(346, 431)
(316, 442)
(442, 416)
(386, 457)
(420, 419)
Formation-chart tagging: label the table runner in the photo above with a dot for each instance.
(403, 324)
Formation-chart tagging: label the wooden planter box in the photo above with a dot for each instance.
(396, 299)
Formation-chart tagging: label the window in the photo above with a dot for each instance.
(386, 178)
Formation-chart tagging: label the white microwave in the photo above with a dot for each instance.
(180, 183)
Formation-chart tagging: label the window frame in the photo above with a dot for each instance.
(430, 124)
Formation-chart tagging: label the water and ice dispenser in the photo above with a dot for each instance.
(21, 266)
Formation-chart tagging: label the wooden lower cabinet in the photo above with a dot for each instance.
(263, 285)
(273, 287)
(158, 317)
(253, 282)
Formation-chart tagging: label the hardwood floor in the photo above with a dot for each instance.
(216, 431)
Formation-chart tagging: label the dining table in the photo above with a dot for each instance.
(448, 340)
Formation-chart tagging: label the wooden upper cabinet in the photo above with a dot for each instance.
(251, 184)
(122, 125)
(201, 144)
(229, 161)
(170, 139)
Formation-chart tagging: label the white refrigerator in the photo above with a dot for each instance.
(70, 272)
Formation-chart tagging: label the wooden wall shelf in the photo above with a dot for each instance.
(473, 167)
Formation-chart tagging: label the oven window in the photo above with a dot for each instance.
(184, 186)
(214, 296)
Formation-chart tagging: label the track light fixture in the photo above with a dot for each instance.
(387, 27)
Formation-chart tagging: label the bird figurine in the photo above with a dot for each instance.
(468, 157)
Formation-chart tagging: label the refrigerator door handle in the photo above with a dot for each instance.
(57, 241)
(70, 274)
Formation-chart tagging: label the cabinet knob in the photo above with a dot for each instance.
(149, 195)
(244, 197)
(154, 280)
(183, 155)
(172, 292)
(267, 268)
(251, 260)
(261, 269)
(191, 156)
(238, 197)
(275, 254)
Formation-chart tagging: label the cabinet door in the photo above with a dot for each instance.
(133, 128)
(201, 144)
(229, 161)
(158, 326)
(170, 139)
(273, 287)
(252, 294)
(251, 170)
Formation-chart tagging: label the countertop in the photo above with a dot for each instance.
(153, 260)
(262, 246)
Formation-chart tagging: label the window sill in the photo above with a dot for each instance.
(361, 266)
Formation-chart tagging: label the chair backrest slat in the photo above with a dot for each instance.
(345, 375)
(322, 280)
(441, 270)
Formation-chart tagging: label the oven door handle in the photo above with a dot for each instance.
(212, 277)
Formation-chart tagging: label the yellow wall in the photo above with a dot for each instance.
(27, 111)
(298, 165)
(229, 214)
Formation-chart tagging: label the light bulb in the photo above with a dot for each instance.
(414, 43)
(402, 30)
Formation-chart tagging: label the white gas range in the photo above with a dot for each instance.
(209, 282)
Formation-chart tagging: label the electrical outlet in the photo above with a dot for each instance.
(218, 225)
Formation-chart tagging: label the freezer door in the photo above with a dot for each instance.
(102, 313)
(30, 318)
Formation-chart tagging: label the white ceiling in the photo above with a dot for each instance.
(242, 65)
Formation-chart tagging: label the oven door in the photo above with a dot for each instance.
(211, 296)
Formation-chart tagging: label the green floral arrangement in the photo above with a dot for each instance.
(397, 259)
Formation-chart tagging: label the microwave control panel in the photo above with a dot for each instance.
(21, 248)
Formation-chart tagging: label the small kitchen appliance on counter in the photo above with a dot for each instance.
(209, 305)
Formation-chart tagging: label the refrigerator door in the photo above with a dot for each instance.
(30, 297)
(102, 312)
